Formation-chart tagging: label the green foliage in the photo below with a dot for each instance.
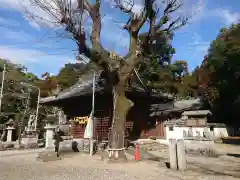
(167, 77)
(220, 75)
(70, 73)
(14, 94)
(159, 73)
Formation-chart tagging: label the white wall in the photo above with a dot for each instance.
(177, 132)
(220, 132)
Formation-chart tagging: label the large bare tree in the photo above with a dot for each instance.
(157, 14)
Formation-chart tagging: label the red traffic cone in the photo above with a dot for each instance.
(136, 153)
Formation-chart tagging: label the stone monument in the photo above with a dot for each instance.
(62, 119)
(31, 123)
(30, 136)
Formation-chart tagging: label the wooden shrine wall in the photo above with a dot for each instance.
(101, 128)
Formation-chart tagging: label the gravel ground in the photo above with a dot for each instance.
(23, 166)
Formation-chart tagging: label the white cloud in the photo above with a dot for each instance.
(35, 57)
(30, 11)
(198, 44)
(196, 47)
(24, 5)
(227, 17)
(18, 55)
(111, 32)
(135, 6)
(8, 22)
(19, 36)
(188, 6)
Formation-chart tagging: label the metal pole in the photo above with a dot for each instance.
(92, 118)
(93, 95)
(36, 117)
(3, 78)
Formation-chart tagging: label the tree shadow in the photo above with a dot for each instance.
(234, 155)
(205, 170)
(231, 140)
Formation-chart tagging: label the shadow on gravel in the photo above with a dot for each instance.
(46, 156)
(154, 159)
(145, 155)
(20, 152)
(205, 170)
(234, 155)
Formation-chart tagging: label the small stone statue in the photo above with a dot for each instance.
(61, 117)
(57, 137)
(31, 122)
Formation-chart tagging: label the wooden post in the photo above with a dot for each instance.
(173, 153)
(181, 155)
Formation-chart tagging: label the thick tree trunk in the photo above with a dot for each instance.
(121, 106)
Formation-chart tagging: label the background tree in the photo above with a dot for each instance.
(166, 77)
(119, 69)
(48, 85)
(219, 76)
(71, 72)
(14, 94)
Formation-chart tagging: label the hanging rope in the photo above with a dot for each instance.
(93, 95)
(135, 71)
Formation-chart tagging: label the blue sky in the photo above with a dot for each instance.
(46, 49)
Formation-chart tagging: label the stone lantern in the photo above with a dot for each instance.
(50, 126)
(10, 127)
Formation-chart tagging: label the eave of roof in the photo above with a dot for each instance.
(84, 87)
(197, 113)
(177, 106)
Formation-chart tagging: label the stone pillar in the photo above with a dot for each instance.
(49, 136)
(91, 147)
(9, 133)
(181, 155)
(173, 153)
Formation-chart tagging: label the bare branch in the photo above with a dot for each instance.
(124, 9)
(71, 15)
(172, 5)
(156, 29)
(176, 24)
(63, 12)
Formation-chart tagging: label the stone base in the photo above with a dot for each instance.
(30, 142)
(48, 155)
(19, 146)
(83, 145)
(117, 156)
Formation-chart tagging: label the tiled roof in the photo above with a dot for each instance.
(84, 87)
(176, 106)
